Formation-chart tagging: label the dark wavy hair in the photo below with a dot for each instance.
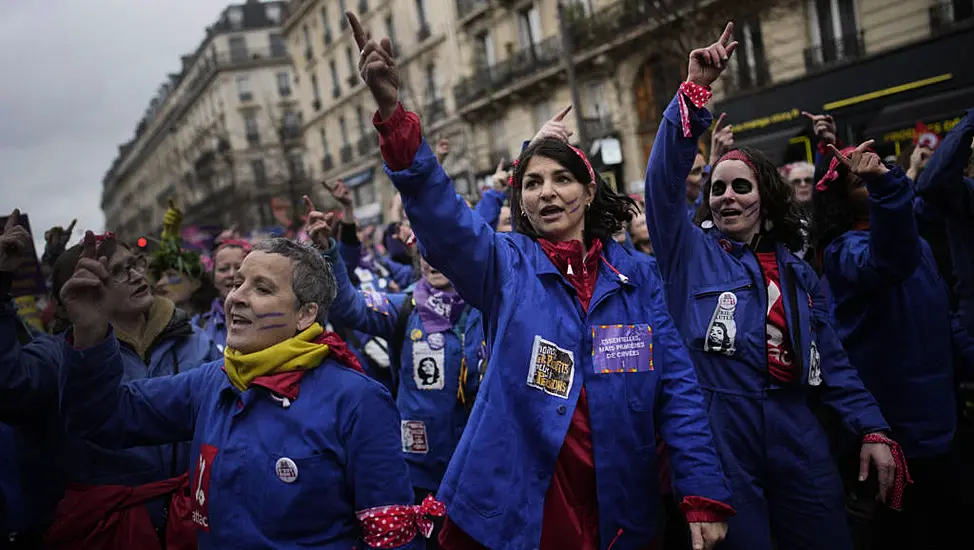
(832, 211)
(609, 212)
(778, 204)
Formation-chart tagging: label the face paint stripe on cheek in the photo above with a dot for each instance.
(269, 315)
(271, 327)
(751, 210)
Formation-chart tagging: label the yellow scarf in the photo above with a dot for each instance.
(297, 353)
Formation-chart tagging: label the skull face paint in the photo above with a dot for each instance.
(735, 201)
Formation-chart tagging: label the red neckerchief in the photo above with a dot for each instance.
(287, 384)
(568, 258)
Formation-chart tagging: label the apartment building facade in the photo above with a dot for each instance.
(878, 66)
(222, 136)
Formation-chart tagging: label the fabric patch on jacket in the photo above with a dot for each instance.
(552, 369)
(428, 367)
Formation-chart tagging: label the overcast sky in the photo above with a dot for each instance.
(77, 76)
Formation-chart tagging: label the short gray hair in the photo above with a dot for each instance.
(312, 278)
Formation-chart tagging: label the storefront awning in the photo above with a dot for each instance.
(934, 107)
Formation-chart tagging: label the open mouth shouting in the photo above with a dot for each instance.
(140, 291)
(730, 213)
(551, 212)
(239, 322)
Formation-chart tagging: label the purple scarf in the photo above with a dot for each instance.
(439, 310)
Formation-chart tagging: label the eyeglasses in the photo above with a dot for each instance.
(799, 181)
(122, 273)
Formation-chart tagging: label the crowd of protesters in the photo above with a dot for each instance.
(747, 357)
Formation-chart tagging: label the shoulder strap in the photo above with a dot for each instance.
(399, 334)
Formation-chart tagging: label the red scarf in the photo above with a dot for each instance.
(114, 517)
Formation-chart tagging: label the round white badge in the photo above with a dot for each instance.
(287, 470)
(436, 341)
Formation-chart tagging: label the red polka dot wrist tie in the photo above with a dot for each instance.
(902, 478)
(396, 525)
(698, 96)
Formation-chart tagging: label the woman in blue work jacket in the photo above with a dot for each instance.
(758, 331)
(584, 364)
(892, 313)
(292, 444)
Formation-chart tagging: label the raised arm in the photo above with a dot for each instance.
(455, 240)
(892, 252)
(674, 150)
(942, 181)
(97, 406)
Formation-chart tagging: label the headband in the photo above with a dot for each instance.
(736, 154)
(581, 155)
(833, 172)
(233, 243)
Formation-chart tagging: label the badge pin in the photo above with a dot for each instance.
(287, 470)
(814, 366)
(436, 341)
(416, 335)
(721, 334)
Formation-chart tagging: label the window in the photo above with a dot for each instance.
(273, 12)
(324, 138)
(432, 90)
(334, 75)
(749, 65)
(314, 88)
(499, 139)
(352, 68)
(343, 130)
(235, 17)
(243, 88)
(835, 31)
(594, 104)
(324, 24)
(421, 13)
(295, 161)
(238, 49)
(252, 129)
(259, 171)
(291, 122)
(364, 194)
(360, 119)
(529, 27)
(342, 21)
(278, 48)
(284, 83)
(391, 29)
(542, 113)
(484, 55)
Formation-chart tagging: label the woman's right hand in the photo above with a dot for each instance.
(706, 64)
(377, 67)
(554, 128)
(862, 161)
(320, 225)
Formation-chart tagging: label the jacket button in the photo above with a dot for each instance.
(561, 409)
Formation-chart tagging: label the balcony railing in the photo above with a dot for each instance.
(346, 154)
(327, 163)
(367, 144)
(597, 128)
(606, 25)
(470, 7)
(527, 61)
(833, 51)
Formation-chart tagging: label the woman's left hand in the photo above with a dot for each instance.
(705, 535)
(880, 456)
(706, 64)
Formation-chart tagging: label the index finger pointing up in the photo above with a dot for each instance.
(864, 146)
(307, 203)
(357, 31)
(12, 220)
(720, 122)
(89, 247)
(563, 113)
(728, 34)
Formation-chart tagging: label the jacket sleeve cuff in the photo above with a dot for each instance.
(705, 510)
(349, 233)
(99, 353)
(399, 138)
(888, 184)
(330, 253)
